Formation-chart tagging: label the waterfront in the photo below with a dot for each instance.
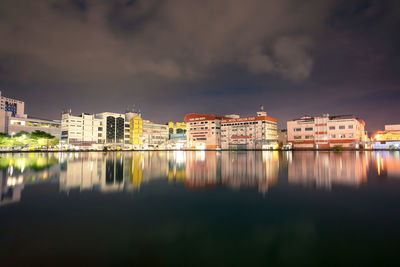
(200, 208)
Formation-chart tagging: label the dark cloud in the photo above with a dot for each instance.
(96, 55)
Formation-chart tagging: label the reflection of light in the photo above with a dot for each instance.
(12, 181)
(201, 155)
(179, 157)
(378, 165)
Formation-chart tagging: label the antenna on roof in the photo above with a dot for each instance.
(261, 108)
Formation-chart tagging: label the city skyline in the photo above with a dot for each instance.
(216, 57)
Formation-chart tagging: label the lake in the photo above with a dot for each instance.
(200, 208)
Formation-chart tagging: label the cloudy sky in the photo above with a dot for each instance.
(173, 57)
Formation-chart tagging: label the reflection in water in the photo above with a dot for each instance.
(128, 171)
(323, 169)
(388, 162)
(19, 169)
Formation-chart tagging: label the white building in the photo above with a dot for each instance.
(326, 132)
(81, 130)
(97, 130)
(203, 131)
(154, 134)
(255, 132)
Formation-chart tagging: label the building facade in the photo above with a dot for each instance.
(203, 131)
(389, 138)
(326, 132)
(82, 130)
(13, 119)
(255, 132)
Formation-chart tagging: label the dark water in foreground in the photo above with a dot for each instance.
(200, 208)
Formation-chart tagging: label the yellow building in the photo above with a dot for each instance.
(391, 133)
(177, 127)
(136, 134)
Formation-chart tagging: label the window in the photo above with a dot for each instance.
(342, 127)
(297, 137)
(332, 136)
(332, 127)
(297, 129)
(100, 129)
(350, 126)
(99, 135)
(308, 137)
(351, 135)
(308, 129)
(342, 136)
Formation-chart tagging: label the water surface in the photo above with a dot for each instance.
(200, 208)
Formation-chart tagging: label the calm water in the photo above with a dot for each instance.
(200, 208)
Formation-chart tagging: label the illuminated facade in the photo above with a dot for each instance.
(389, 138)
(326, 132)
(203, 131)
(104, 129)
(147, 135)
(254, 132)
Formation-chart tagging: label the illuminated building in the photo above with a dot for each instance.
(254, 132)
(389, 138)
(177, 128)
(177, 135)
(146, 134)
(326, 132)
(13, 119)
(203, 131)
(105, 129)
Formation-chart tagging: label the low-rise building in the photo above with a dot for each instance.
(28, 124)
(203, 131)
(255, 132)
(326, 132)
(13, 119)
(389, 138)
(148, 135)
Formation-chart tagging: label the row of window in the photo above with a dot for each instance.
(247, 123)
(201, 122)
(341, 127)
(331, 136)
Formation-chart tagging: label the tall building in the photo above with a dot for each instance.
(326, 132)
(203, 131)
(13, 119)
(255, 132)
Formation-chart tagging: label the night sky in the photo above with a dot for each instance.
(174, 57)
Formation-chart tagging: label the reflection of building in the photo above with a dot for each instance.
(203, 169)
(326, 132)
(250, 169)
(389, 138)
(113, 171)
(323, 169)
(388, 162)
(13, 119)
(17, 171)
(254, 132)
(203, 131)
